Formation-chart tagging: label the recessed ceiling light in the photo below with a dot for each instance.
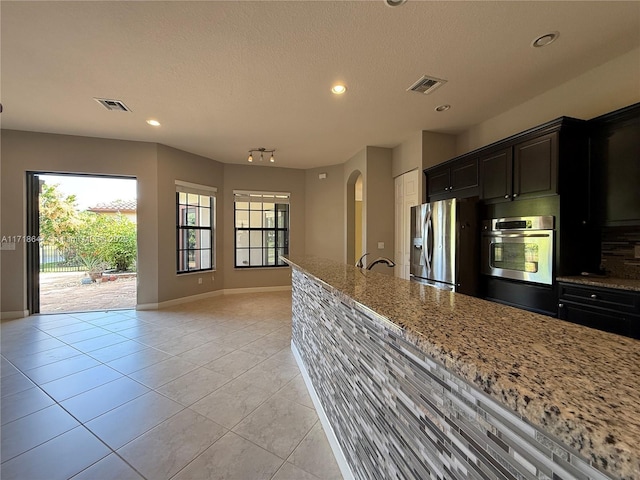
(338, 89)
(153, 123)
(546, 39)
(394, 3)
(442, 108)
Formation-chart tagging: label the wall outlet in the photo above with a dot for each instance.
(213, 277)
(199, 280)
(636, 251)
(380, 245)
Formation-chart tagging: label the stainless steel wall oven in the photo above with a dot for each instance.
(519, 248)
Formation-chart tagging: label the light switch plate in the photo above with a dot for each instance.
(380, 245)
(636, 251)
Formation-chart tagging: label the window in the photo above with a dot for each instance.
(261, 228)
(195, 227)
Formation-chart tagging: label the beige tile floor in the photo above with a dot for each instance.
(207, 390)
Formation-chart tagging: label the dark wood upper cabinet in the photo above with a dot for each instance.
(541, 171)
(438, 181)
(496, 173)
(457, 179)
(525, 170)
(615, 162)
(464, 178)
(535, 167)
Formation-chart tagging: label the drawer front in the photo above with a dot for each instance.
(602, 319)
(620, 300)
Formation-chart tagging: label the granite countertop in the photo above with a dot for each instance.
(606, 282)
(579, 384)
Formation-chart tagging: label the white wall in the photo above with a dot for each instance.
(270, 179)
(379, 206)
(422, 150)
(603, 89)
(41, 152)
(324, 212)
(174, 164)
(319, 216)
(156, 167)
(407, 155)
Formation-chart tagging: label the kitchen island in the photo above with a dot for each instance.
(415, 382)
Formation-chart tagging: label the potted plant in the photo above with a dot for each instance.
(94, 267)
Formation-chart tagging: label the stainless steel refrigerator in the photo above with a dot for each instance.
(445, 245)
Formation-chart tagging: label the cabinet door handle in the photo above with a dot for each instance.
(593, 295)
(515, 195)
(506, 196)
(561, 305)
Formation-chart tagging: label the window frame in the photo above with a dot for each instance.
(278, 199)
(182, 209)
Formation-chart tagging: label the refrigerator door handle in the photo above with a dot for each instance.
(426, 251)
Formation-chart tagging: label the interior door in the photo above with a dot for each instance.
(406, 196)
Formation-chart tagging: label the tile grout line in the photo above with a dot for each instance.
(300, 443)
(269, 333)
(80, 423)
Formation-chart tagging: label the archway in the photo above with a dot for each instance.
(355, 217)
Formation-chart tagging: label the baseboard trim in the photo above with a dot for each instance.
(324, 420)
(280, 288)
(216, 293)
(147, 306)
(14, 315)
(179, 301)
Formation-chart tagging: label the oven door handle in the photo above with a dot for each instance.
(518, 235)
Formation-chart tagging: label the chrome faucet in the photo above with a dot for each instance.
(385, 260)
(360, 263)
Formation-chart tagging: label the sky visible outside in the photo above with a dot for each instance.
(90, 191)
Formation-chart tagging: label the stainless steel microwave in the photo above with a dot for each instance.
(519, 248)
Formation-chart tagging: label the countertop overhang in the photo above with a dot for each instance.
(629, 284)
(576, 383)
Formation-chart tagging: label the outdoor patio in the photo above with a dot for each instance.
(64, 292)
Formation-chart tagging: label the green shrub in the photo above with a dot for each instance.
(106, 238)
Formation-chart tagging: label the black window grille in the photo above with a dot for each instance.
(261, 229)
(195, 216)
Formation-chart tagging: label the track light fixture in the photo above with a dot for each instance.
(262, 151)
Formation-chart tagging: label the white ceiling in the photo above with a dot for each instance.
(226, 76)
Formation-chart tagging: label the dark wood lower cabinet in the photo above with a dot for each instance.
(528, 296)
(611, 310)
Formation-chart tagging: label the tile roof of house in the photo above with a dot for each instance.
(115, 206)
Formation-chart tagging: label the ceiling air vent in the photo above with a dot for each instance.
(115, 105)
(426, 85)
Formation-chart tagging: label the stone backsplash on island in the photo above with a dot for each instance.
(397, 413)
